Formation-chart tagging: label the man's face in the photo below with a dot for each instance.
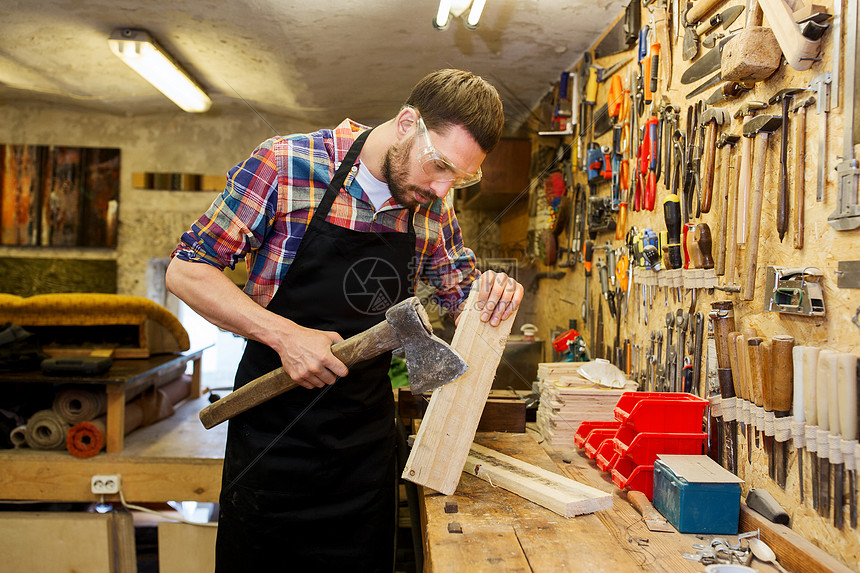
(410, 183)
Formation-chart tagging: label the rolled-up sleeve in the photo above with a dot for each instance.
(451, 267)
(237, 221)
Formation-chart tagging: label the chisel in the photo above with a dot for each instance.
(759, 356)
(723, 320)
(799, 416)
(741, 406)
(810, 408)
(846, 375)
(783, 384)
(826, 375)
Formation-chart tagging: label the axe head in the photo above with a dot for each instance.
(430, 360)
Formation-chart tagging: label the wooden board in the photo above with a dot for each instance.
(184, 548)
(548, 489)
(36, 541)
(449, 425)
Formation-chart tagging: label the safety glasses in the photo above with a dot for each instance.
(437, 166)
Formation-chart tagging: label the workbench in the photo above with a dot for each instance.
(501, 531)
(125, 379)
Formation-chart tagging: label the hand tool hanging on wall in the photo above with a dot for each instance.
(707, 64)
(847, 214)
(690, 201)
(745, 366)
(798, 422)
(825, 376)
(785, 97)
(712, 118)
(729, 91)
(760, 375)
(698, 340)
(799, 51)
(821, 85)
(810, 409)
(671, 357)
(837, 383)
(759, 128)
(782, 378)
(847, 369)
(572, 190)
(742, 197)
(660, 21)
(722, 318)
(754, 54)
(587, 257)
(800, 166)
(682, 322)
(723, 19)
(726, 143)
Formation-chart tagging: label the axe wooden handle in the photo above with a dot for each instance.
(720, 264)
(363, 346)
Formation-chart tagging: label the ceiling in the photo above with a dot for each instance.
(312, 62)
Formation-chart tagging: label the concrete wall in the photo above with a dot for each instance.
(150, 222)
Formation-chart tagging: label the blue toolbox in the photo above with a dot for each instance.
(696, 494)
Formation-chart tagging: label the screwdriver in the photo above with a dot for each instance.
(587, 257)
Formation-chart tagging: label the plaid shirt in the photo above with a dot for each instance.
(269, 201)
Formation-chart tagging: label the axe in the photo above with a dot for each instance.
(430, 360)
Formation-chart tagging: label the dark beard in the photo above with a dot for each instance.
(395, 172)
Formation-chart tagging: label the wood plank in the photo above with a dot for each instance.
(184, 548)
(502, 413)
(562, 495)
(487, 548)
(449, 425)
(793, 552)
(37, 541)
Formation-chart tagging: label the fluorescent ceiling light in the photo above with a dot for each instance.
(138, 50)
(457, 8)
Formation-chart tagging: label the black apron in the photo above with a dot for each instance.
(309, 478)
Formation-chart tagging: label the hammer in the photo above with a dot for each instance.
(430, 360)
(784, 96)
(712, 117)
(757, 128)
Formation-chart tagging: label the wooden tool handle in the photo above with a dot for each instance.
(799, 177)
(722, 231)
(826, 371)
(740, 391)
(797, 405)
(846, 373)
(745, 363)
(640, 501)
(833, 409)
(703, 240)
(757, 369)
(723, 319)
(691, 247)
(709, 162)
(766, 348)
(755, 215)
(742, 197)
(363, 346)
(755, 16)
(700, 9)
(782, 373)
(810, 383)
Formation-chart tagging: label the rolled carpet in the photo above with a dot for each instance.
(18, 436)
(86, 439)
(46, 430)
(79, 405)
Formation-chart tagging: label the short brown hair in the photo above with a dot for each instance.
(456, 97)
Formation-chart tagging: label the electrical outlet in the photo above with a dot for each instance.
(105, 484)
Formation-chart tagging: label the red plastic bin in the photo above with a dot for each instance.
(606, 455)
(585, 428)
(665, 412)
(643, 447)
(629, 475)
(596, 438)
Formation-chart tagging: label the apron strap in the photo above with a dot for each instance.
(340, 176)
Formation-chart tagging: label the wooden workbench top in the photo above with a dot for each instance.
(504, 532)
(176, 458)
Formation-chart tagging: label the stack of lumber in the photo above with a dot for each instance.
(567, 399)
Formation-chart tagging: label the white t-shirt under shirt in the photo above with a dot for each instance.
(376, 190)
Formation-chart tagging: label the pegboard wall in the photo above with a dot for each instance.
(561, 298)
